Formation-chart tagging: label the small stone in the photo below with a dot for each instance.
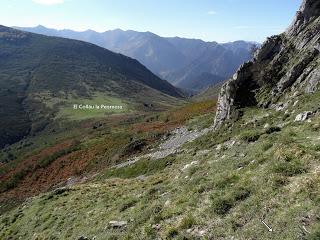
(118, 224)
(156, 226)
(83, 238)
(189, 165)
(219, 147)
(141, 177)
(303, 116)
(267, 125)
(201, 233)
(230, 143)
(295, 94)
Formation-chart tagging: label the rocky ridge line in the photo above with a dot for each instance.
(285, 64)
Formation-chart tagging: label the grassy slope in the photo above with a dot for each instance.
(36, 71)
(72, 147)
(266, 174)
(210, 93)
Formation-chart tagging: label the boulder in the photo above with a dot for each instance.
(303, 116)
(189, 165)
(118, 224)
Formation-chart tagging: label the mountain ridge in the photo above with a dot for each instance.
(171, 58)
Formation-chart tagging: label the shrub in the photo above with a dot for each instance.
(317, 147)
(172, 232)
(222, 205)
(187, 222)
(241, 194)
(250, 135)
(49, 159)
(14, 180)
(289, 168)
(266, 146)
(272, 130)
(279, 181)
(226, 180)
(314, 236)
(150, 232)
(127, 205)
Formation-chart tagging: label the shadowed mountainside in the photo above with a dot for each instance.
(39, 71)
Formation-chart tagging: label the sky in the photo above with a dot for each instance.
(210, 20)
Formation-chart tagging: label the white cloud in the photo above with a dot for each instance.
(212, 12)
(48, 2)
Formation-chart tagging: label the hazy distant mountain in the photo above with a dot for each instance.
(186, 63)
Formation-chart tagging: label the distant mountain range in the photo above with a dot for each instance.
(190, 64)
(40, 75)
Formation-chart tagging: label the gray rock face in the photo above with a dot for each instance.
(227, 100)
(296, 71)
(312, 81)
(309, 9)
(284, 64)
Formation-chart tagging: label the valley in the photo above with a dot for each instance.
(96, 146)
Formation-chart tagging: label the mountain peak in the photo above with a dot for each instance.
(41, 26)
(309, 10)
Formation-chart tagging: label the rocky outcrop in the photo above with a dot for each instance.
(309, 10)
(286, 63)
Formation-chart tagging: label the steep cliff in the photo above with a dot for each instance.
(285, 66)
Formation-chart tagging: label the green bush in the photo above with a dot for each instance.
(14, 180)
(266, 146)
(272, 129)
(250, 135)
(289, 168)
(127, 204)
(241, 194)
(222, 205)
(314, 236)
(172, 232)
(187, 222)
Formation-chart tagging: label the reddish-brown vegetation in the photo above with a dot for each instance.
(52, 166)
